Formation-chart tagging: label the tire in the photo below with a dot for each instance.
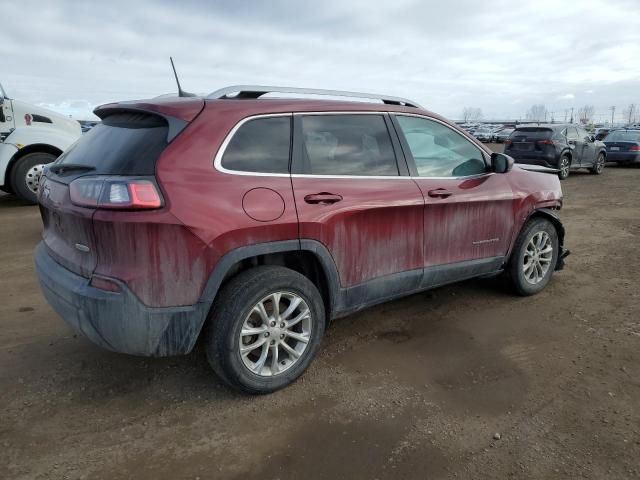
(516, 269)
(598, 166)
(25, 175)
(237, 307)
(564, 165)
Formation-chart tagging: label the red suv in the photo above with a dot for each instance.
(252, 222)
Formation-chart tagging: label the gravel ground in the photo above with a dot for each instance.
(466, 381)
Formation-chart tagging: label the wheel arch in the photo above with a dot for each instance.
(308, 257)
(569, 153)
(552, 217)
(24, 151)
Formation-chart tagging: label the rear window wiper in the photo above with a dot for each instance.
(63, 167)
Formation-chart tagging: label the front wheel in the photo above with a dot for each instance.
(564, 165)
(534, 257)
(264, 329)
(25, 175)
(598, 166)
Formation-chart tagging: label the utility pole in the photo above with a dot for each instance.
(613, 112)
(571, 115)
(566, 112)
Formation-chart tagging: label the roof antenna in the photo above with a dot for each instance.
(181, 93)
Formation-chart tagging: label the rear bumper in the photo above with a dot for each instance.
(623, 157)
(117, 321)
(549, 161)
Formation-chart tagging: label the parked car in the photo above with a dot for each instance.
(30, 137)
(623, 146)
(600, 133)
(561, 146)
(502, 135)
(483, 134)
(254, 222)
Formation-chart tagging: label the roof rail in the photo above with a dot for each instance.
(256, 91)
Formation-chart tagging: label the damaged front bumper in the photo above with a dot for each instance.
(117, 321)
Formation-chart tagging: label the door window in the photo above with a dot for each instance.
(582, 133)
(572, 133)
(439, 151)
(348, 145)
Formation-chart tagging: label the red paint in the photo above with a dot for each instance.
(375, 228)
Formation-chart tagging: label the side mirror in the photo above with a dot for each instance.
(591, 138)
(501, 163)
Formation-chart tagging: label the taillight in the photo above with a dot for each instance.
(545, 142)
(634, 148)
(507, 142)
(115, 193)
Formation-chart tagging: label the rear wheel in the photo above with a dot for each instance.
(264, 329)
(598, 166)
(564, 165)
(25, 175)
(534, 256)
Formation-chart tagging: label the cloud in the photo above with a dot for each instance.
(444, 55)
(566, 96)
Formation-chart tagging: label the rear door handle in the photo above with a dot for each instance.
(439, 193)
(322, 198)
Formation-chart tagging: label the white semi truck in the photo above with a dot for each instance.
(30, 137)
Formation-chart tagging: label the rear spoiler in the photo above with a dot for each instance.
(538, 168)
(177, 112)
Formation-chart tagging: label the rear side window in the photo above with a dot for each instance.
(357, 145)
(122, 144)
(260, 145)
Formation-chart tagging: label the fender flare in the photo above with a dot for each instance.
(229, 259)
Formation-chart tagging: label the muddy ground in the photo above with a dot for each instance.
(416, 388)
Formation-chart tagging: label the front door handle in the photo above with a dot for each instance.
(439, 193)
(322, 198)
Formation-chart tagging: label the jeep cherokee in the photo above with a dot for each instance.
(252, 222)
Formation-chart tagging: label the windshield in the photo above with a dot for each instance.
(624, 136)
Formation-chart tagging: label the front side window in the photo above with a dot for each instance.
(353, 145)
(260, 145)
(439, 151)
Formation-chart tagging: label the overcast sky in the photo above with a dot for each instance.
(500, 56)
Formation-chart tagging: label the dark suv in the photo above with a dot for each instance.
(252, 222)
(560, 146)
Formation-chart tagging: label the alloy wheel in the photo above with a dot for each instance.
(537, 257)
(564, 167)
(275, 334)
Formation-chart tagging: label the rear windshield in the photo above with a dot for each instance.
(534, 133)
(122, 144)
(622, 136)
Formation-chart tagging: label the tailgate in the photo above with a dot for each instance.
(67, 229)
